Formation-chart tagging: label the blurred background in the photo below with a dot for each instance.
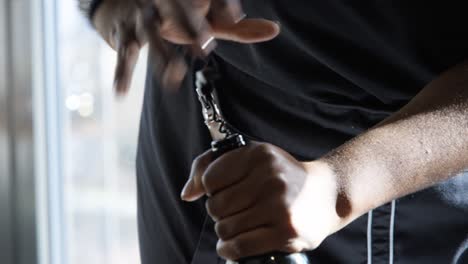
(67, 144)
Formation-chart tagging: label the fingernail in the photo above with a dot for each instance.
(187, 190)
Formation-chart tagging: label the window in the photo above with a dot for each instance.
(96, 147)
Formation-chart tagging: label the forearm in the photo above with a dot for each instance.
(422, 144)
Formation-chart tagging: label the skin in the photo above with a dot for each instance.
(264, 200)
(126, 28)
(260, 197)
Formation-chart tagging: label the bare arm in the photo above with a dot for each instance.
(422, 144)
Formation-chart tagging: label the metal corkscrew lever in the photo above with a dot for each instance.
(225, 140)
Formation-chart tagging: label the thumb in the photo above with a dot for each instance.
(247, 31)
(194, 189)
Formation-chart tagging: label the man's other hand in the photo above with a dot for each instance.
(264, 200)
(127, 25)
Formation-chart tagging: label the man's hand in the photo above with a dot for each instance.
(263, 200)
(127, 25)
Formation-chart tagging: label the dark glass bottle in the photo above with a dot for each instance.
(236, 141)
(225, 139)
(277, 258)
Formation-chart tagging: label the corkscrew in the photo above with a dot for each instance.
(226, 138)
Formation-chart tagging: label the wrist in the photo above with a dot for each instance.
(324, 180)
(360, 176)
(346, 209)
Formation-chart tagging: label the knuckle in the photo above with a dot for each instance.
(237, 249)
(278, 182)
(227, 250)
(223, 230)
(289, 231)
(285, 220)
(205, 180)
(287, 227)
(223, 250)
(265, 150)
(276, 164)
(271, 169)
(267, 155)
(220, 248)
(202, 165)
(212, 209)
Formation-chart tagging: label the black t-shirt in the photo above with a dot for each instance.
(337, 68)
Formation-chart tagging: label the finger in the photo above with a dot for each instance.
(151, 21)
(175, 33)
(174, 73)
(256, 242)
(202, 47)
(184, 22)
(247, 31)
(200, 8)
(127, 57)
(181, 12)
(237, 197)
(226, 12)
(205, 42)
(169, 63)
(194, 189)
(248, 220)
(232, 167)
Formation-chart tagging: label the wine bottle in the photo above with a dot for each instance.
(226, 139)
